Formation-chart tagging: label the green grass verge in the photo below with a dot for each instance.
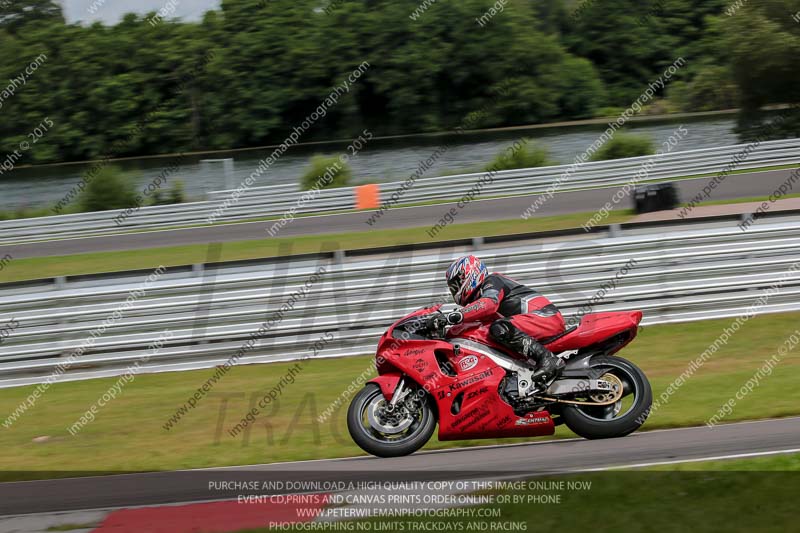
(789, 462)
(45, 267)
(744, 200)
(128, 433)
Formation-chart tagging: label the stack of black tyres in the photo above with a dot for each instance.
(655, 197)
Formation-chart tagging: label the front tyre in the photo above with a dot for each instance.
(620, 418)
(386, 432)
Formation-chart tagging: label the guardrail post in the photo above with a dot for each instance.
(338, 256)
(614, 230)
(197, 270)
(477, 242)
(60, 283)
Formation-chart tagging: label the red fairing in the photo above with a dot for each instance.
(470, 379)
(419, 312)
(476, 331)
(466, 386)
(598, 327)
(387, 383)
(397, 356)
(482, 413)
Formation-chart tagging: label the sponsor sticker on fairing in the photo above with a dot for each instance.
(468, 362)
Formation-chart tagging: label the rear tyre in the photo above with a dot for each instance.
(385, 433)
(610, 421)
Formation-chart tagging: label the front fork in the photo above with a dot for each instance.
(400, 393)
(388, 384)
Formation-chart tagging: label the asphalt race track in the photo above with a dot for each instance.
(756, 184)
(490, 462)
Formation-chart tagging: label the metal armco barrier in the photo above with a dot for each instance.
(275, 201)
(702, 272)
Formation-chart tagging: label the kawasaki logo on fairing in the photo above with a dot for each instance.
(469, 381)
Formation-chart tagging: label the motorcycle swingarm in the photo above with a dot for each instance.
(602, 392)
(571, 386)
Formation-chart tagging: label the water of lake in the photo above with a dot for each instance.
(381, 160)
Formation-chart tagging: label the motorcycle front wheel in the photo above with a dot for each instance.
(384, 431)
(620, 418)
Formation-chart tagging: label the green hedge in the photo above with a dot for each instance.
(625, 145)
(110, 189)
(529, 155)
(326, 172)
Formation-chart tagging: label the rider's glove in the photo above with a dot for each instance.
(456, 317)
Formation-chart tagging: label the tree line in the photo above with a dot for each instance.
(249, 71)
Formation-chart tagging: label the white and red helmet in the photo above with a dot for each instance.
(465, 276)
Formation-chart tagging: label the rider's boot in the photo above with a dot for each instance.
(547, 365)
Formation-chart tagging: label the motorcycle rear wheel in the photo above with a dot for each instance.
(386, 434)
(605, 422)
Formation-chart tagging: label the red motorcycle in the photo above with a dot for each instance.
(476, 389)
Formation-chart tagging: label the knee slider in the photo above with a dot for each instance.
(501, 329)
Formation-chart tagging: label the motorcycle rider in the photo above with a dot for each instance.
(526, 314)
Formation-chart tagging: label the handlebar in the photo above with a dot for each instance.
(434, 324)
(437, 324)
